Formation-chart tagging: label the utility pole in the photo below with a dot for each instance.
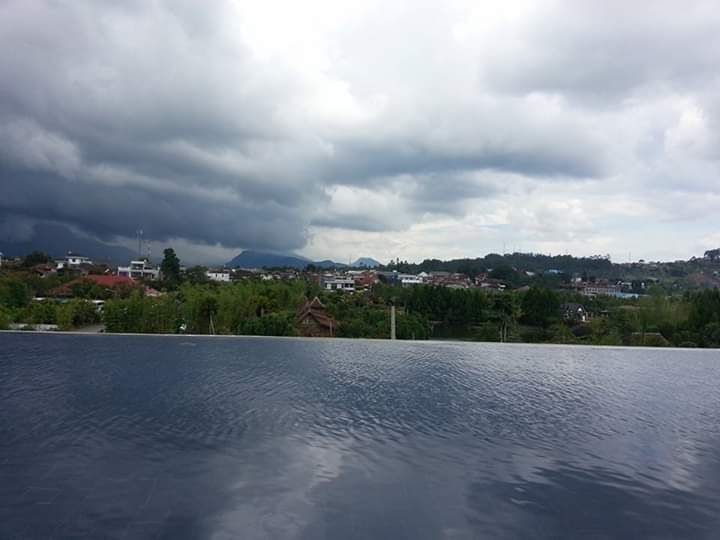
(392, 321)
(139, 239)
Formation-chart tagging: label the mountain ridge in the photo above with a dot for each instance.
(264, 259)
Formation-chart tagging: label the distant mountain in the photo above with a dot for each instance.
(57, 240)
(366, 262)
(327, 263)
(260, 259)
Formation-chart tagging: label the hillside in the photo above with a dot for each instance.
(259, 259)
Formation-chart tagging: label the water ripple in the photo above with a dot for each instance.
(256, 438)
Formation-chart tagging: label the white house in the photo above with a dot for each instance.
(73, 260)
(338, 283)
(218, 274)
(140, 269)
(407, 280)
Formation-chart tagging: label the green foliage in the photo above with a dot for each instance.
(140, 314)
(538, 263)
(65, 316)
(504, 272)
(76, 313)
(274, 324)
(14, 293)
(90, 290)
(561, 333)
(5, 318)
(195, 275)
(457, 307)
(540, 307)
(170, 267)
(36, 257)
(40, 313)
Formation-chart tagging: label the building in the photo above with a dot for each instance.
(140, 269)
(408, 280)
(313, 320)
(337, 283)
(601, 287)
(491, 284)
(73, 261)
(44, 270)
(450, 280)
(572, 312)
(110, 283)
(365, 280)
(218, 274)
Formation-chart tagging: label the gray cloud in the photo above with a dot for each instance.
(228, 126)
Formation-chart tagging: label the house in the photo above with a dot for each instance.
(601, 287)
(139, 269)
(408, 280)
(74, 259)
(491, 284)
(74, 264)
(44, 270)
(573, 312)
(110, 283)
(313, 320)
(337, 283)
(365, 280)
(218, 274)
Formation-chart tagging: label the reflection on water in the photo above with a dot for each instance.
(147, 437)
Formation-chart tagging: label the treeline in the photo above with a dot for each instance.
(600, 266)
(691, 320)
(253, 307)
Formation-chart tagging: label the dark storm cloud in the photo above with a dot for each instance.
(227, 122)
(110, 211)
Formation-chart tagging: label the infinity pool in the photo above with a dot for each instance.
(187, 437)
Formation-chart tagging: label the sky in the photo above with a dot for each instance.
(336, 129)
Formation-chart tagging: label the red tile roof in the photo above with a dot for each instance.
(109, 282)
(112, 281)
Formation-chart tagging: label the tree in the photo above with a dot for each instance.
(4, 319)
(15, 293)
(540, 307)
(170, 267)
(196, 274)
(36, 257)
(504, 272)
(713, 254)
(505, 311)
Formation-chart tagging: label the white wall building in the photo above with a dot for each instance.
(408, 280)
(73, 260)
(140, 269)
(338, 283)
(218, 274)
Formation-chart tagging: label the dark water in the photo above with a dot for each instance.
(154, 437)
